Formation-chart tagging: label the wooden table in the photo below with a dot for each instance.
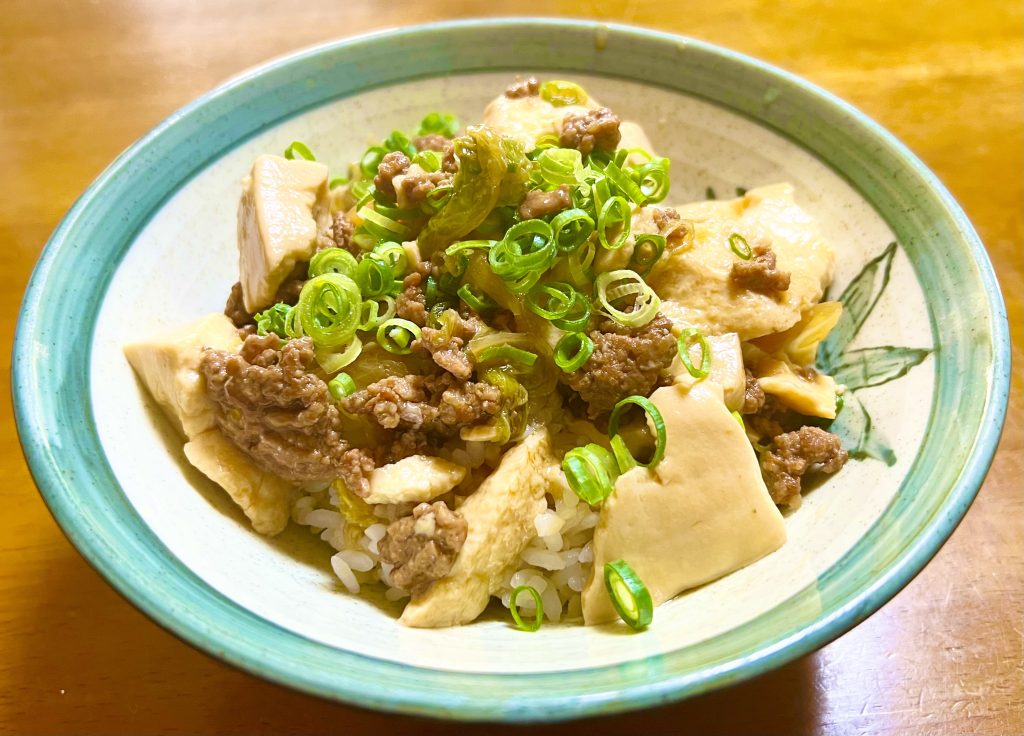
(81, 80)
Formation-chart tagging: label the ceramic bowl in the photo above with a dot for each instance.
(924, 353)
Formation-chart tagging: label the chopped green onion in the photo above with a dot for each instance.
(578, 316)
(399, 141)
(341, 386)
(292, 323)
(551, 300)
(614, 219)
(661, 436)
(614, 284)
(274, 319)
(538, 616)
(507, 354)
(394, 255)
(370, 315)
(478, 302)
(332, 260)
(428, 160)
(573, 351)
(527, 248)
(654, 180)
(624, 183)
(328, 309)
(440, 123)
(571, 229)
(686, 338)
(561, 93)
(630, 597)
(580, 261)
(740, 246)
(591, 472)
(397, 335)
(647, 249)
(560, 166)
(338, 181)
(622, 454)
(374, 276)
(739, 419)
(333, 361)
(371, 160)
(300, 149)
(380, 226)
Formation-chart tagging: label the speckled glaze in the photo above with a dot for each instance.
(141, 250)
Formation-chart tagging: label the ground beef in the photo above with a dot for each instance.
(431, 142)
(288, 292)
(342, 232)
(528, 87)
(539, 203)
(446, 346)
(411, 189)
(759, 273)
(753, 395)
(792, 454)
(593, 130)
(772, 419)
(438, 405)
(394, 163)
(671, 225)
(450, 162)
(411, 303)
(625, 362)
(276, 410)
(423, 547)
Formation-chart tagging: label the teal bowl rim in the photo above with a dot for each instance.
(50, 380)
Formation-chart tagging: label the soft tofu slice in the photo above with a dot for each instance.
(265, 499)
(500, 517)
(414, 479)
(694, 283)
(701, 513)
(284, 206)
(726, 368)
(168, 364)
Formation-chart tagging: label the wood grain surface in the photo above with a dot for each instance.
(80, 80)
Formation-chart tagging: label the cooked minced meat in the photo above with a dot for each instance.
(792, 454)
(528, 87)
(625, 362)
(276, 410)
(431, 142)
(539, 203)
(439, 405)
(771, 419)
(412, 187)
(288, 292)
(753, 395)
(668, 222)
(423, 547)
(342, 232)
(447, 346)
(760, 272)
(594, 130)
(411, 303)
(394, 163)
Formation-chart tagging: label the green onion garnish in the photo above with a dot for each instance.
(571, 229)
(661, 437)
(623, 456)
(380, 226)
(507, 354)
(624, 183)
(551, 300)
(397, 335)
(591, 472)
(740, 246)
(332, 260)
(440, 123)
(394, 255)
(399, 141)
(273, 319)
(478, 302)
(654, 180)
(333, 361)
(538, 616)
(298, 148)
(630, 597)
(647, 249)
(578, 316)
(580, 261)
(371, 160)
(686, 338)
(614, 221)
(371, 316)
(374, 276)
(612, 285)
(573, 351)
(328, 309)
(527, 248)
(341, 386)
(561, 93)
(428, 160)
(560, 166)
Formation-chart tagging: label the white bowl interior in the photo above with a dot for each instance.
(184, 261)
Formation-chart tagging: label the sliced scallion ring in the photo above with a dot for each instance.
(332, 260)
(739, 245)
(372, 315)
(647, 249)
(591, 472)
(397, 335)
(613, 224)
(333, 361)
(578, 316)
(561, 93)
(571, 229)
(630, 597)
(688, 337)
(300, 149)
(645, 306)
(538, 616)
(507, 354)
(573, 351)
(328, 309)
(622, 454)
(661, 437)
(654, 180)
(341, 386)
(478, 301)
(551, 300)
